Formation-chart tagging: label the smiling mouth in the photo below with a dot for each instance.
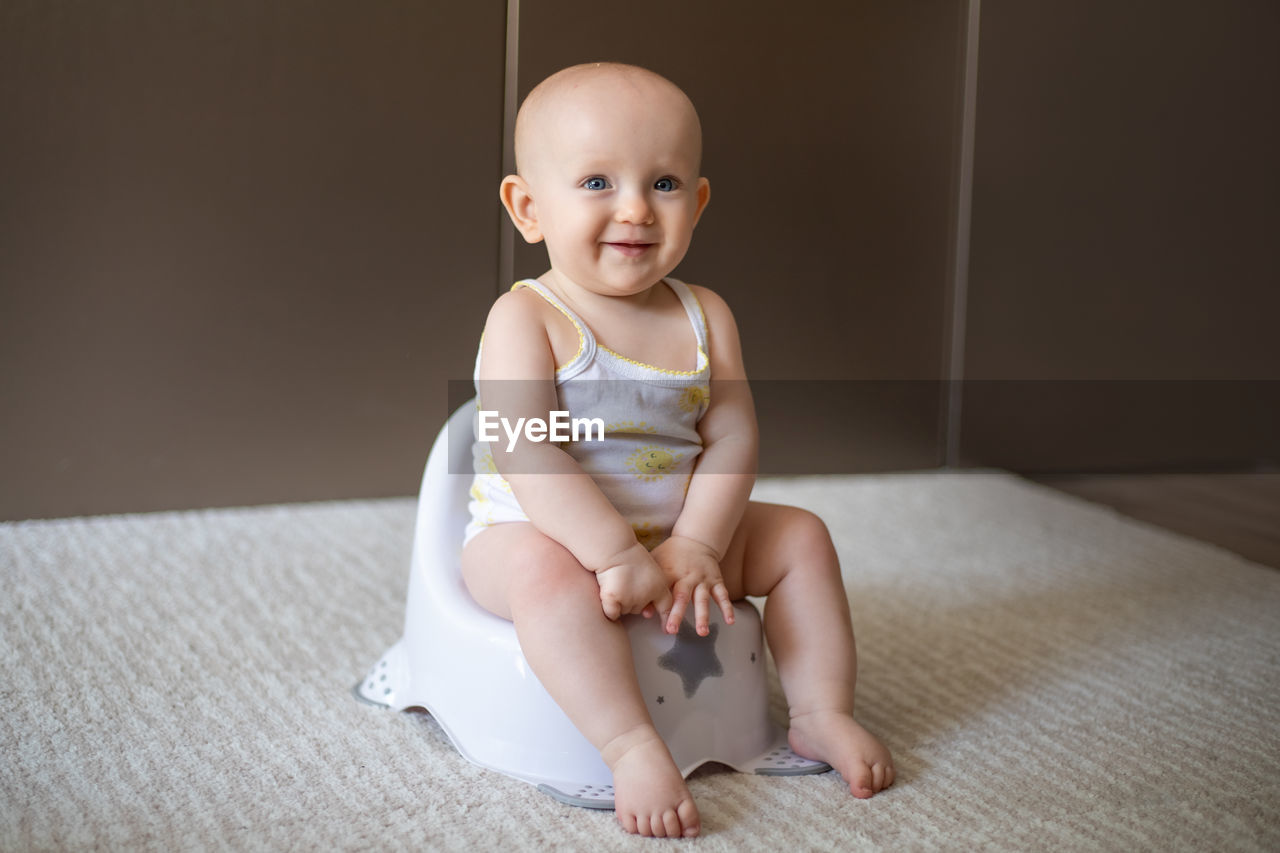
(631, 250)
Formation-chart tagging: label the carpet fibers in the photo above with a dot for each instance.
(1048, 675)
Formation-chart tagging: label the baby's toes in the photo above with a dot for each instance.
(883, 776)
(862, 781)
(690, 823)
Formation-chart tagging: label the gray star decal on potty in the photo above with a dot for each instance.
(693, 658)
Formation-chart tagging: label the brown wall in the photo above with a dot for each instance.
(1126, 209)
(245, 246)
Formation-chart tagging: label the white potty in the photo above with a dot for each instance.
(708, 696)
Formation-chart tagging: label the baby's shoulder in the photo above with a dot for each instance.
(714, 308)
(705, 295)
(521, 308)
(523, 323)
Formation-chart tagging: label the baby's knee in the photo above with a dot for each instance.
(809, 549)
(807, 534)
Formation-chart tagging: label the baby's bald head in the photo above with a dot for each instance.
(598, 88)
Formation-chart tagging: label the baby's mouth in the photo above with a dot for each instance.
(630, 250)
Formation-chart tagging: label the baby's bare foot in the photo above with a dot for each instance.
(650, 797)
(836, 738)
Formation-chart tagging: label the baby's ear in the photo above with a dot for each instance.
(520, 206)
(704, 196)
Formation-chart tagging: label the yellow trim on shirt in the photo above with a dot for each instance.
(654, 368)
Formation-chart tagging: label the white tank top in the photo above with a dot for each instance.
(650, 417)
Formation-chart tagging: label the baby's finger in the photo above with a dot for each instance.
(701, 610)
(678, 605)
(720, 593)
(665, 605)
(612, 609)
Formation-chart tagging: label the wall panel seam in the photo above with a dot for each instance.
(510, 94)
(959, 285)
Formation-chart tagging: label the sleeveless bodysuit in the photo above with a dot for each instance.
(650, 417)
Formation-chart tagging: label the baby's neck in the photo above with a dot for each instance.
(589, 301)
(651, 327)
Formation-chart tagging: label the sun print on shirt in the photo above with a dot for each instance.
(651, 462)
(694, 398)
(647, 534)
(481, 504)
(488, 469)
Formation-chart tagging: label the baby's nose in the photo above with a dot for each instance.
(634, 209)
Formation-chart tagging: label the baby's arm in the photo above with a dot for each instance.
(517, 370)
(721, 483)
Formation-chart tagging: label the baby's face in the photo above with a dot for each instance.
(612, 167)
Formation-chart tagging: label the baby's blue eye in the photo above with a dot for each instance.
(595, 184)
(665, 185)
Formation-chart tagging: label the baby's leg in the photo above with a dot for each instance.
(584, 662)
(786, 554)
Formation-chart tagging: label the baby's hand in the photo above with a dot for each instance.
(633, 584)
(693, 571)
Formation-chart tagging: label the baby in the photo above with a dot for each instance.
(656, 519)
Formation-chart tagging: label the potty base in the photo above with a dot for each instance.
(778, 760)
(387, 685)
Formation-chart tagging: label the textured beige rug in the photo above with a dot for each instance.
(1049, 675)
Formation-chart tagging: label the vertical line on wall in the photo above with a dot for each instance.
(959, 290)
(510, 83)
